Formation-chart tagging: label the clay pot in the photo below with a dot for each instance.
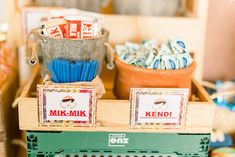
(130, 76)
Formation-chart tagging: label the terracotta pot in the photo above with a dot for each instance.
(129, 76)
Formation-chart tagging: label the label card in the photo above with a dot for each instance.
(66, 105)
(158, 107)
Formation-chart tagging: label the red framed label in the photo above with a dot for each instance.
(158, 107)
(66, 105)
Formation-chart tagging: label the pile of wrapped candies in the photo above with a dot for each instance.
(72, 24)
(167, 56)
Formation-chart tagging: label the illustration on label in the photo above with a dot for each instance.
(67, 105)
(158, 106)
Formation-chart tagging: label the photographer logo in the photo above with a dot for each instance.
(118, 140)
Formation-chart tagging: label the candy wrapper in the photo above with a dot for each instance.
(178, 46)
(150, 44)
(120, 49)
(184, 60)
(81, 27)
(54, 28)
(157, 63)
(170, 62)
(165, 49)
(73, 28)
(151, 56)
(170, 55)
(73, 24)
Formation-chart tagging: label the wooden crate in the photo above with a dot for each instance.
(8, 116)
(199, 117)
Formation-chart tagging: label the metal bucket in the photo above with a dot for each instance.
(45, 49)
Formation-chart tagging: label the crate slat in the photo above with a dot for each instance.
(199, 117)
(97, 144)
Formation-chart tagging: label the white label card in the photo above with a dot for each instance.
(158, 107)
(71, 106)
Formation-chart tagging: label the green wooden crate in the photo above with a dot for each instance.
(116, 144)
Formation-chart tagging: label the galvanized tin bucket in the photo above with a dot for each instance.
(45, 49)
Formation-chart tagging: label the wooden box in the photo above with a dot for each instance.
(199, 116)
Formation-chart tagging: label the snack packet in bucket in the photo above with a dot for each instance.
(73, 23)
(83, 39)
(54, 28)
(80, 27)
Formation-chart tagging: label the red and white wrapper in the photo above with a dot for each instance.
(73, 29)
(56, 28)
(73, 24)
(87, 29)
(80, 27)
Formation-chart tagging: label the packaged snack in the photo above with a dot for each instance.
(73, 23)
(96, 18)
(170, 62)
(133, 46)
(156, 63)
(184, 60)
(151, 56)
(120, 49)
(165, 49)
(54, 28)
(128, 58)
(79, 27)
(87, 29)
(133, 61)
(73, 27)
(150, 44)
(178, 46)
(141, 62)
